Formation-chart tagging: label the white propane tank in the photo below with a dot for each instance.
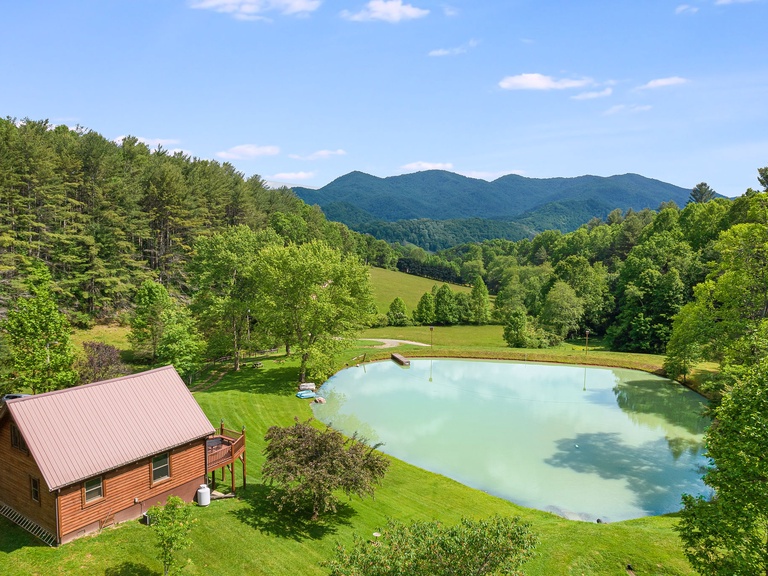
(203, 495)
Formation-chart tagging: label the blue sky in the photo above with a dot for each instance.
(303, 91)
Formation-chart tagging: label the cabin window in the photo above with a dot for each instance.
(93, 489)
(161, 467)
(34, 488)
(17, 441)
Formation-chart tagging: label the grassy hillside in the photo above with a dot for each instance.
(247, 536)
(389, 284)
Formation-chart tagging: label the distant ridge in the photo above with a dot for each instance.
(518, 206)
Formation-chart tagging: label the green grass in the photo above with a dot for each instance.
(389, 284)
(247, 536)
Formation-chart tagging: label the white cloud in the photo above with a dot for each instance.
(387, 10)
(288, 176)
(592, 95)
(253, 9)
(319, 155)
(150, 142)
(626, 109)
(541, 82)
(686, 9)
(450, 10)
(419, 166)
(463, 49)
(663, 83)
(248, 151)
(490, 176)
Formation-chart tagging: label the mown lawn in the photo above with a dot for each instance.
(389, 284)
(247, 536)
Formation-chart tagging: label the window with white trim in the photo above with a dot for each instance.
(93, 489)
(161, 467)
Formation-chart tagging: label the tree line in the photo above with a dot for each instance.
(105, 216)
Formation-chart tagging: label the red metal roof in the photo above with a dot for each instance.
(81, 432)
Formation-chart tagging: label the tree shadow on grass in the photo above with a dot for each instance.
(275, 381)
(130, 569)
(263, 515)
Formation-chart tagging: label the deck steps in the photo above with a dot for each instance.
(27, 524)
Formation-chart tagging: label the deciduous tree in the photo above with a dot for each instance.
(397, 315)
(152, 301)
(38, 341)
(309, 465)
(171, 524)
(312, 297)
(498, 545)
(100, 362)
(725, 534)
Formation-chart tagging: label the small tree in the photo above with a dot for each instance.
(398, 313)
(309, 465)
(171, 524)
(481, 304)
(562, 310)
(181, 343)
(148, 320)
(101, 362)
(425, 309)
(38, 341)
(445, 306)
(498, 545)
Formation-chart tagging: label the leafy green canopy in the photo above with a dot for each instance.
(727, 534)
(314, 298)
(38, 340)
(309, 465)
(171, 524)
(498, 545)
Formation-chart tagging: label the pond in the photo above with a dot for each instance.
(582, 442)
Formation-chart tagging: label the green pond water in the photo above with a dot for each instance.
(584, 443)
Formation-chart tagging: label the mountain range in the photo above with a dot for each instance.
(437, 204)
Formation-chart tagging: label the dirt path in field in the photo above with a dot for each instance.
(390, 343)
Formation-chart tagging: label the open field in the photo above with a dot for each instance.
(389, 284)
(247, 536)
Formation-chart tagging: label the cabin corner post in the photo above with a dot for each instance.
(57, 508)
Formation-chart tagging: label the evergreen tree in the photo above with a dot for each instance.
(480, 302)
(702, 193)
(445, 306)
(398, 313)
(425, 309)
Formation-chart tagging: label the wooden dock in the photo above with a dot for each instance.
(400, 359)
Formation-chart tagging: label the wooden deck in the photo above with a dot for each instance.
(222, 450)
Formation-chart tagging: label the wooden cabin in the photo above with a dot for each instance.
(79, 459)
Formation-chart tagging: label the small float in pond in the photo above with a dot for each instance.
(306, 394)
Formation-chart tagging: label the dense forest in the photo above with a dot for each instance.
(106, 216)
(435, 209)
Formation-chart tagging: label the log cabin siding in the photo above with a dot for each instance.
(16, 468)
(121, 486)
